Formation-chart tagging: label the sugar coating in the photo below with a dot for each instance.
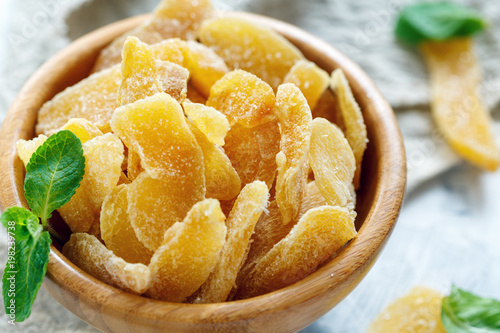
(171, 18)
(318, 234)
(249, 205)
(332, 162)
(188, 253)
(355, 128)
(211, 122)
(252, 151)
(173, 79)
(171, 50)
(310, 79)
(116, 229)
(244, 45)
(90, 255)
(93, 98)
(221, 179)
(243, 98)
(295, 120)
(26, 148)
(419, 311)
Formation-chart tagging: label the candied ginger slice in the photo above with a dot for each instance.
(91, 256)
(188, 253)
(93, 98)
(252, 151)
(138, 72)
(332, 162)
(243, 98)
(319, 233)
(171, 50)
(295, 119)
(171, 18)
(310, 79)
(221, 179)
(246, 211)
(82, 128)
(211, 122)
(419, 311)
(116, 230)
(156, 129)
(255, 49)
(156, 204)
(355, 129)
(26, 148)
(173, 79)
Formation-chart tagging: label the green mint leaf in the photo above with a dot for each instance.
(28, 256)
(463, 312)
(54, 173)
(437, 21)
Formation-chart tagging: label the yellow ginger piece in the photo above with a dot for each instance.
(116, 230)
(82, 128)
(188, 253)
(332, 162)
(211, 122)
(221, 179)
(255, 49)
(310, 79)
(156, 129)
(355, 129)
(91, 256)
(419, 311)
(26, 148)
(93, 98)
(458, 111)
(139, 73)
(246, 211)
(295, 119)
(171, 18)
(243, 98)
(173, 79)
(319, 233)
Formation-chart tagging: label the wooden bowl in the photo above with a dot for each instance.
(289, 309)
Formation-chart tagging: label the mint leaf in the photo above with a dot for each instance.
(437, 21)
(463, 312)
(28, 256)
(54, 173)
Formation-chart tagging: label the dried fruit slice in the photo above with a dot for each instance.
(156, 204)
(317, 235)
(310, 79)
(211, 122)
(100, 91)
(116, 230)
(333, 163)
(90, 255)
(419, 311)
(243, 98)
(26, 148)
(252, 151)
(295, 119)
(246, 211)
(156, 129)
(355, 129)
(456, 108)
(171, 18)
(103, 159)
(244, 45)
(171, 50)
(173, 79)
(221, 179)
(138, 72)
(82, 128)
(188, 253)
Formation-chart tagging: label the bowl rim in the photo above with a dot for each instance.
(362, 250)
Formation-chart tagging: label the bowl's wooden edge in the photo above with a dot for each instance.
(339, 273)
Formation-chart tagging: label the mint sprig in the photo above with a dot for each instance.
(463, 312)
(437, 21)
(53, 174)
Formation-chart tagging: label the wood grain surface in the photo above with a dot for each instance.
(286, 310)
